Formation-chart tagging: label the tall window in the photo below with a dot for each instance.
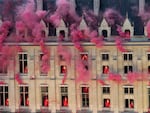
(106, 103)
(148, 97)
(128, 69)
(106, 90)
(148, 57)
(23, 63)
(127, 56)
(63, 69)
(4, 99)
(106, 96)
(148, 69)
(3, 67)
(64, 96)
(24, 96)
(84, 58)
(105, 69)
(49, 5)
(85, 96)
(105, 56)
(83, 5)
(44, 96)
(129, 97)
(42, 70)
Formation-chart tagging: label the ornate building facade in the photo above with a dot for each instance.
(114, 80)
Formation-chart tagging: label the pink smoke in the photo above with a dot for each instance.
(115, 77)
(148, 29)
(4, 30)
(121, 33)
(100, 81)
(84, 75)
(78, 46)
(119, 45)
(132, 77)
(45, 66)
(64, 78)
(113, 17)
(18, 79)
(97, 41)
(65, 53)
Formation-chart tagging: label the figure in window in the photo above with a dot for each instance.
(65, 101)
(106, 69)
(84, 57)
(85, 90)
(107, 103)
(131, 104)
(46, 101)
(6, 102)
(64, 69)
(27, 101)
(26, 69)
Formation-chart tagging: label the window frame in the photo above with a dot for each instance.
(128, 97)
(40, 65)
(128, 68)
(85, 97)
(24, 93)
(128, 57)
(23, 63)
(63, 95)
(5, 95)
(44, 93)
(105, 56)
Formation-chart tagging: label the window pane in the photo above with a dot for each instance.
(126, 90)
(126, 103)
(131, 103)
(107, 103)
(131, 91)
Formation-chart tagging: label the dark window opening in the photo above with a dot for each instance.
(85, 96)
(128, 69)
(148, 56)
(148, 69)
(44, 96)
(107, 103)
(127, 33)
(84, 57)
(63, 69)
(104, 33)
(105, 56)
(105, 69)
(64, 96)
(52, 30)
(106, 90)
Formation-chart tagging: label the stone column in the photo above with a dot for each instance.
(141, 6)
(39, 4)
(96, 6)
(73, 3)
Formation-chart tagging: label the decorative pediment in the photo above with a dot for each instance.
(127, 26)
(104, 29)
(62, 23)
(104, 23)
(83, 24)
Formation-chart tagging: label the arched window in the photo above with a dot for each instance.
(104, 33)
